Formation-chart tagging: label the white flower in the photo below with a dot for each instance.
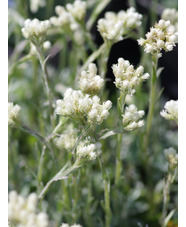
(13, 113)
(172, 16)
(110, 27)
(131, 118)
(161, 37)
(35, 4)
(130, 18)
(126, 77)
(23, 211)
(170, 111)
(67, 140)
(64, 18)
(172, 156)
(67, 23)
(77, 9)
(87, 151)
(83, 108)
(115, 25)
(35, 28)
(90, 82)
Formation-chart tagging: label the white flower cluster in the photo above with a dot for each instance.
(171, 156)
(64, 18)
(22, 212)
(13, 113)
(35, 4)
(161, 37)
(131, 118)
(77, 9)
(67, 23)
(170, 111)
(127, 78)
(115, 25)
(35, 28)
(172, 16)
(90, 82)
(82, 107)
(87, 151)
(67, 225)
(67, 140)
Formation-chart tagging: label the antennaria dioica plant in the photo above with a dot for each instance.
(81, 154)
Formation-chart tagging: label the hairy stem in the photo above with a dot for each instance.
(152, 100)
(120, 104)
(46, 82)
(107, 208)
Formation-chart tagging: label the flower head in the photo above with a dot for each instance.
(170, 111)
(77, 9)
(13, 113)
(67, 23)
(90, 82)
(161, 37)
(23, 211)
(35, 28)
(131, 118)
(126, 77)
(83, 108)
(115, 25)
(87, 151)
(64, 18)
(67, 140)
(172, 16)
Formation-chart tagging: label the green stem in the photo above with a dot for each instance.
(165, 198)
(62, 174)
(120, 105)
(107, 208)
(104, 59)
(40, 167)
(152, 100)
(40, 137)
(46, 82)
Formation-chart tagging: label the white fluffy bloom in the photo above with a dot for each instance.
(77, 9)
(35, 4)
(170, 111)
(67, 225)
(82, 107)
(172, 156)
(131, 118)
(64, 18)
(115, 25)
(13, 113)
(130, 18)
(90, 82)
(67, 140)
(66, 22)
(161, 37)
(110, 27)
(87, 151)
(126, 77)
(35, 28)
(23, 212)
(172, 16)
